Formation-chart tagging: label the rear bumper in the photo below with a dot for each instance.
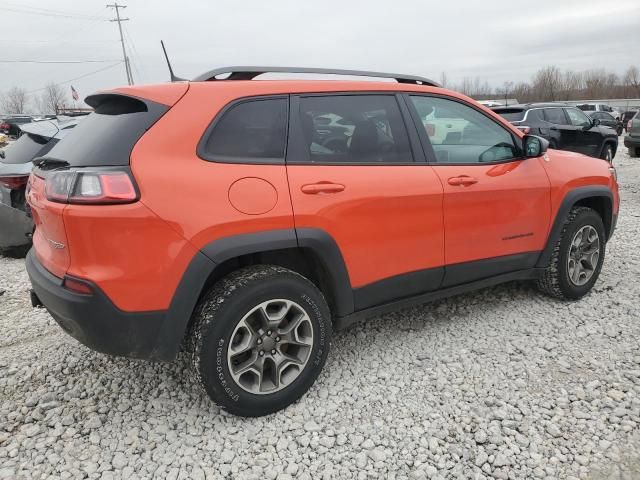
(15, 227)
(96, 322)
(631, 142)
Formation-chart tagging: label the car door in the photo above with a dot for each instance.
(496, 203)
(557, 128)
(587, 138)
(370, 190)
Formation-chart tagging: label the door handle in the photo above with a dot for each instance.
(462, 180)
(321, 187)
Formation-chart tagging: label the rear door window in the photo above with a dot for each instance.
(555, 116)
(353, 129)
(254, 130)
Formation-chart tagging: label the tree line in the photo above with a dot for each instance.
(17, 100)
(550, 84)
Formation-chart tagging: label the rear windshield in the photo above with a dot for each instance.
(26, 148)
(107, 136)
(511, 114)
(587, 108)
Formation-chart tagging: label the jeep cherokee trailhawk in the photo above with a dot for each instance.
(246, 219)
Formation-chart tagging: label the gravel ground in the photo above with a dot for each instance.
(502, 383)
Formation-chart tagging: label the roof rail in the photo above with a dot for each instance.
(249, 73)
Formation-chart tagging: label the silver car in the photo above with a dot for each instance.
(36, 140)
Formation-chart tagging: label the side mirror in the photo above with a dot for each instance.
(595, 122)
(535, 146)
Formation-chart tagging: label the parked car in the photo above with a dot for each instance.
(565, 127)
(632, 140)
(200, 213)
(599, 107)
(627, 117)
(16, 225)
(11, 125)
(607, 120)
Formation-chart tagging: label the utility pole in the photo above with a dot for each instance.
(127, 67)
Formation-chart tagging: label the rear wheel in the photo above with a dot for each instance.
(259, 340)
(634, 152)
(577, 256)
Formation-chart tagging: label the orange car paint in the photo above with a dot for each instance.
(388, 222)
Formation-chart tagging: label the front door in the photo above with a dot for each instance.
(587, 139)
(496, 204)
(357, 173)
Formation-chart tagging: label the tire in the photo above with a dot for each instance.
(555, 280)
(607, 153)
(224, 318)
(15, 252)
(552, 144)
(634, 152)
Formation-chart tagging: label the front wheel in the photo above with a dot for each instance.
(260, 338)
(577, 256)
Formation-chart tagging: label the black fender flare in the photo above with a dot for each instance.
(204, 263)
(570, 199)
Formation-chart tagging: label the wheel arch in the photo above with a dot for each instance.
(597, 197)
(310, 252)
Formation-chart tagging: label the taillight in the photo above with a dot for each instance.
(629, 125)
(14, 182)
(525, 130)
(93, 187)
(4, 126)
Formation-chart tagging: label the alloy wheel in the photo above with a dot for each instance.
(584, 253)
(270, 346)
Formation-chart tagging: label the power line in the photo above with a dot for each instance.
(50, 14)
(58, 61)
(78, 78)
(127, 67)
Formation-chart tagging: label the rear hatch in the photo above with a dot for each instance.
(91, 165)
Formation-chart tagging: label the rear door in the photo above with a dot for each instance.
(369, 188)
(557, 128)
(496, 204)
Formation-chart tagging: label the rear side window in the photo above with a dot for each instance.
(353, 129)
(251, 130)
(107, 136)
(26, 148)
(555, 115)
(511, 114)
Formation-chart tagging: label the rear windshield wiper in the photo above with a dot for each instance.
(49, 163)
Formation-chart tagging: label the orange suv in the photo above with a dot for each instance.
(246, 220)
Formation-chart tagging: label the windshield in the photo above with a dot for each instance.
(26, 148)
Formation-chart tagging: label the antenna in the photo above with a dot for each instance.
(171, 74)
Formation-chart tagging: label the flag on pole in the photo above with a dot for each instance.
(74, 94)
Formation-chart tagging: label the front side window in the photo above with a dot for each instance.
(354, 129)
(555, 116)
(577, 118)
(254, 129)
(461, 134)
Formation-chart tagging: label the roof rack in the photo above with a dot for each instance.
(249, 73)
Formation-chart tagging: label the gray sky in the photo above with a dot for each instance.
(497, 40)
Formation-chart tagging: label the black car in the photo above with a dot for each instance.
(564, 126)
(607, 120)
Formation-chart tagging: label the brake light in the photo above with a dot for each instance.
(94, 188)
(14, 183)
(525, 130)
(77, 286)
(4, 126)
